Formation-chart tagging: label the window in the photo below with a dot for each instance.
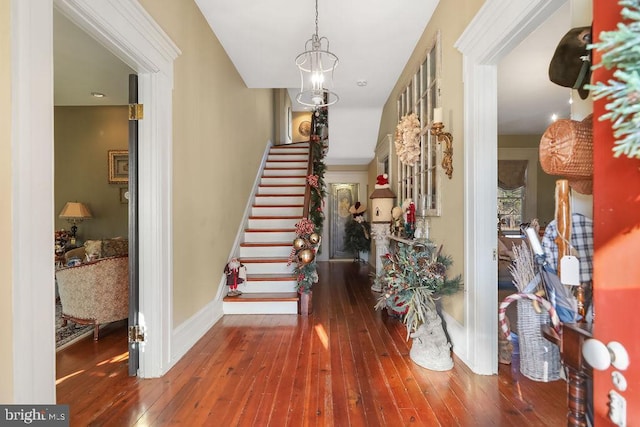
(421, 181)
(510, 209)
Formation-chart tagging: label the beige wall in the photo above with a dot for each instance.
(82, 138)
(546, 183)
(6, 306)
(451, 18)
(220, 131)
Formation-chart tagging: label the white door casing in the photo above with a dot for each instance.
(128, 31)
(498, 27)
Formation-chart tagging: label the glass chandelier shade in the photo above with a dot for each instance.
(316, 65)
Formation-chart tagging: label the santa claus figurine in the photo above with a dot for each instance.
(236, 274)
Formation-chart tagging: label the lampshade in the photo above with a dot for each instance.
(75, 212)
(316, 65)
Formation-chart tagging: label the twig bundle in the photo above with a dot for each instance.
(523, 267)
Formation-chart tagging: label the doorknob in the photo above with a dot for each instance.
(601, 356)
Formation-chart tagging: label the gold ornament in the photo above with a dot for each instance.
(306, 256)
(314, 238)
(299, 243)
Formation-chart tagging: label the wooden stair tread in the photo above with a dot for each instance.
(282, 185)
(264, 260)
(269, 230)
(284, 176)
(277, 206)
(270, 277)
(274, 217)
(280, 195)
(263, 297)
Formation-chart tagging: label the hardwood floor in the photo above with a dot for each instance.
(345, 365)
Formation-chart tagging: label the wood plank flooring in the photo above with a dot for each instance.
(345, 365)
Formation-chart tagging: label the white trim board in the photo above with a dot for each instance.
(146, 49)
(497, 28)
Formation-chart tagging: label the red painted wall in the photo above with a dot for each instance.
(617, 245)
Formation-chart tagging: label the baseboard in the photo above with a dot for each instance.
(457, 336)
(186, 335)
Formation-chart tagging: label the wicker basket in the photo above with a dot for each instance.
(566, 148)
(539, 358)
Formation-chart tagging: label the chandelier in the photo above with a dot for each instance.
(316, 65)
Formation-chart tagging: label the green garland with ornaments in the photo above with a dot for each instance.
(307, 243)
(619, 50)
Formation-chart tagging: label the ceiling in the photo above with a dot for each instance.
(373, 40)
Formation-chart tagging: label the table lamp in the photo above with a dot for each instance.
(75, 212)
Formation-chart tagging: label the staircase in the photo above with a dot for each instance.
(278, 205)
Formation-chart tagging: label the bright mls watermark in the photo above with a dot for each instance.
(37, 415)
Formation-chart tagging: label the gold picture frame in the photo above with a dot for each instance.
(118, 166)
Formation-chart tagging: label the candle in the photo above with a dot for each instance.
(437, 115)
(533, 240)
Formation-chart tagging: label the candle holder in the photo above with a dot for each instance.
(447, 151)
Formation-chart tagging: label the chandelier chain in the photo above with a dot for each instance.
(316, 18)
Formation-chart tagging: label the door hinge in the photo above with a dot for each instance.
(136, 111)
(136, 333)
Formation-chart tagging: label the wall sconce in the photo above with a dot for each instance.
(446, 137)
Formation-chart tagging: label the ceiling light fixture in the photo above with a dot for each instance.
(316, 65)
(97, 95)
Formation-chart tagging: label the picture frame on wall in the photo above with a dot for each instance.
(118, 166)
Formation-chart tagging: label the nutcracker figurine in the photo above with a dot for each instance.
(236, 274)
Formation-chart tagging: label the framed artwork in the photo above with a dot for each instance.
(124, 195)
(118, 166)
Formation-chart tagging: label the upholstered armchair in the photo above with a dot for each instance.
(96, 292)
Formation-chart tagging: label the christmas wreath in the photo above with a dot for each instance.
(408, 139)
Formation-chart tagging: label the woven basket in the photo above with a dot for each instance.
(566, 148)
(539, 357)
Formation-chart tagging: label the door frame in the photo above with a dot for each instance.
(497, 28)
(129, 32)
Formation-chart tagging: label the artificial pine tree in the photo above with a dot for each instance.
(620, 50)
(357, 232)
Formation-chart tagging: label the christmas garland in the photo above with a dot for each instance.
(408, 139)
(619, 50)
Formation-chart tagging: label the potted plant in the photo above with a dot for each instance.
(412, 279)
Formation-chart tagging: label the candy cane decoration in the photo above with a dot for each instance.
(555, 320)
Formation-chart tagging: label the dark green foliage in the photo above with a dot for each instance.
(357, 236)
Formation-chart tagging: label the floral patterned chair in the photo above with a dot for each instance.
(96, 292)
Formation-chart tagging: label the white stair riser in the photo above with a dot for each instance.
(280, 190)
(269, 237)
(284, 172)
(260, 307)
(278, 200)
(276, 211)
(264, 251)
(287, 165)
(300, 150)
(262, 286)
(269, 268)
(304, 158)
(297, 180)
(272, 223)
